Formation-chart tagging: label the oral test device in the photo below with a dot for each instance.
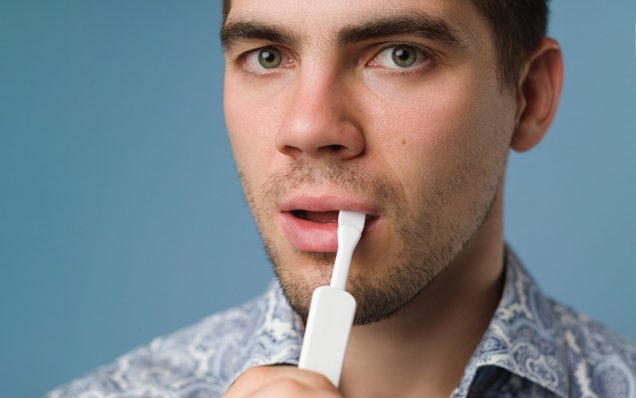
(332, 308)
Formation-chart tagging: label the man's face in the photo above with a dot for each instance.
(388, 107)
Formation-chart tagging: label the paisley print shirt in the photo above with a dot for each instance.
(533, 347)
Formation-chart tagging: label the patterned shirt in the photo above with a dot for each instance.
(533, 347)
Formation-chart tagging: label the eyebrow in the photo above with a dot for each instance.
(421, 24)
(233, 32)
(418, 23)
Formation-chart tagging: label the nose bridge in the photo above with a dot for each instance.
(318, 122)
(316, 96)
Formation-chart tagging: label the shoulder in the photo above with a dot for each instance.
(195, 361)
(600, 361)
(553, 346)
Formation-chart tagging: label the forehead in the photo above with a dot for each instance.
(320, 21)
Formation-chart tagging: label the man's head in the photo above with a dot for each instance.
(404, 110)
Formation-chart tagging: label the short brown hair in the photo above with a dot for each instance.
(518, 27)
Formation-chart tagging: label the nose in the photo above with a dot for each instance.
(319, 122)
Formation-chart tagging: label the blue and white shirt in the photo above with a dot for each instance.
(533, 347)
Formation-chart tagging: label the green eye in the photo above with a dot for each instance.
(269, 58)
(404, 56)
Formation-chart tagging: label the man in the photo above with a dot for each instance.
(404, 110)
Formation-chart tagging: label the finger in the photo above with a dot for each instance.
(307, 378)
(257, 378)
(292, 388)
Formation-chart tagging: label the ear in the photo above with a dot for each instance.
(538, 93)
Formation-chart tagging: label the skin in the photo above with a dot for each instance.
(431, 140)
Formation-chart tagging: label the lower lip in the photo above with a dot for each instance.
(313, 236)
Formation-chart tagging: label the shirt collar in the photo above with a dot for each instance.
(277, 335)
(522, 336)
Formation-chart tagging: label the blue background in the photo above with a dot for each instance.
(122, 217)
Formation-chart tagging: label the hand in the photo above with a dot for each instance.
(281, 382)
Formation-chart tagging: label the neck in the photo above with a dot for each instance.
(423, 349)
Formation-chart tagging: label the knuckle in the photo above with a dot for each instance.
(320, 381)
(249, 379)
(281, 382)
(254, 372)
(257, 373)
(289, 388)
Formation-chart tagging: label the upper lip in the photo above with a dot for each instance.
(323, 203)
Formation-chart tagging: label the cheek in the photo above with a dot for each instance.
(429, 134)
(251, 121)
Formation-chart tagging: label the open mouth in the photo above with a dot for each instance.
(324, 217)
(311, 223)
(316, 231)
(316, 216)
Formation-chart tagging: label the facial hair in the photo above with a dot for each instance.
(426, 244)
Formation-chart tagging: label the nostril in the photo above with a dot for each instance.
(318, 140)
(334, 148)
(291, 151)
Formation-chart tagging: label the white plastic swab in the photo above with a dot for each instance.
(332, 308)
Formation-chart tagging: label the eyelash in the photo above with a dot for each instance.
(429, 56)
(425, 56)
(243, 59)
